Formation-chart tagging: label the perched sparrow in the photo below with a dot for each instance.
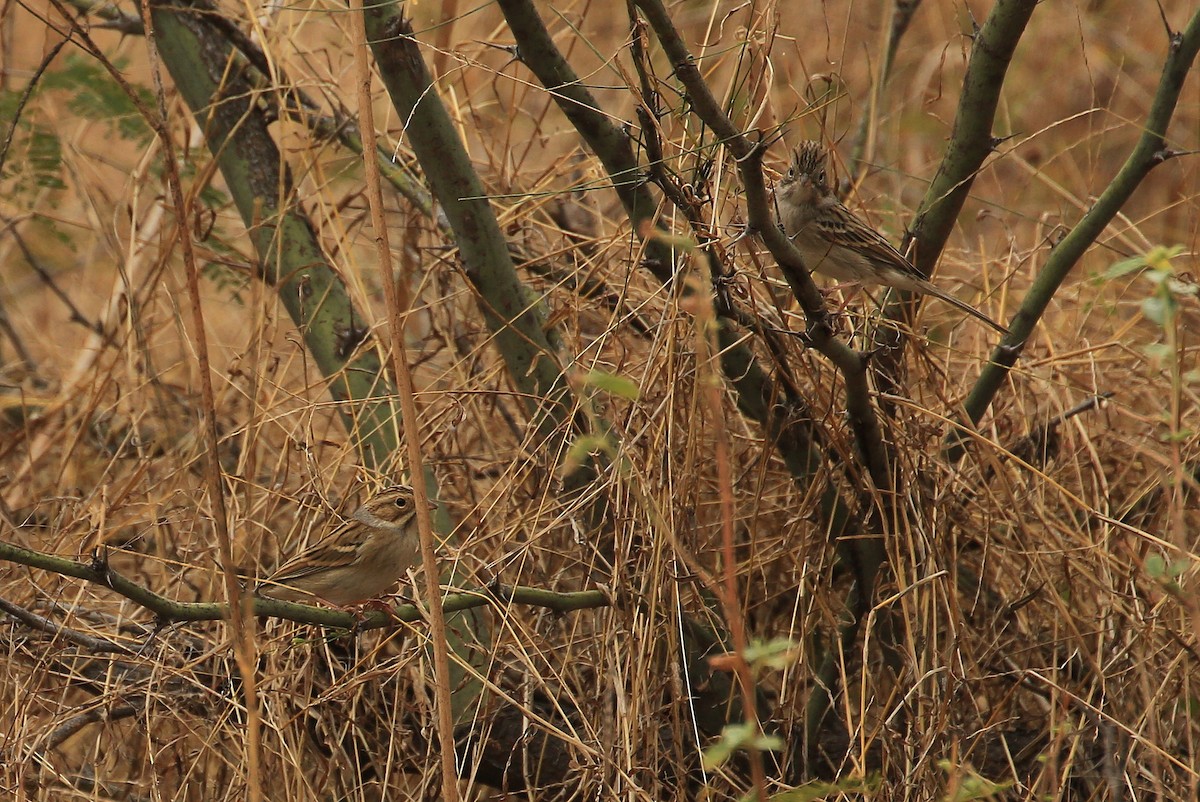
(836, 243)
(358, 560)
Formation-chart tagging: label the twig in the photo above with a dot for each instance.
(1041, 445)
(36, 264)
(98, 713)
(18, 344)
(24, 99)
(43, 624)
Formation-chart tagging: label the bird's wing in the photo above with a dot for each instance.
(339, 547)
(840, 226)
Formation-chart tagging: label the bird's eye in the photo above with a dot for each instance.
(401, 502)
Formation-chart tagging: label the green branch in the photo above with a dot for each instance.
(213, 81)
(167, 610)
(1150, 151)
(971, 142)
(512, 313)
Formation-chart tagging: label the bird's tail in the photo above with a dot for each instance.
(931, 289)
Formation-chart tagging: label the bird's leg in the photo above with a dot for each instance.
(846, 290)
(379, 606)
(360, 618)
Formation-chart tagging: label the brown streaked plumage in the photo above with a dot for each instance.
(360, 559)
(835, 243)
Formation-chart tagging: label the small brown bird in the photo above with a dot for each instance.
(835, 243)
(359, 559)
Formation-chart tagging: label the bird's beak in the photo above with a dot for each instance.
(432, 504)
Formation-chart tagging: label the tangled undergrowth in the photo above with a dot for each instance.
(1032, 625)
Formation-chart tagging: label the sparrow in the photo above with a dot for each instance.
(360, 559)
(836, 243)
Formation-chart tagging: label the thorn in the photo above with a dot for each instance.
(513, 51)
(1011, 351)
(160, 626)
(819, 329)
(997, 141)
(867, 356)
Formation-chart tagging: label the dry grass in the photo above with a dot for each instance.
(1024, 592)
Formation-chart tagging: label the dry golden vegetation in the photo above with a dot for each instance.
(1033, 629)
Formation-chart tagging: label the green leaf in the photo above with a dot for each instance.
(777, 653)
(213, 198)
(976, 787)
(733, 738)
(970, 785)
(227, 279)
(767, 743)
(1158, 352)
(1183, 435)
(1160, 308)
(1156, 275)
(718, 753)
(43, 155)
(1125, 267)
(35, 155)
(612, 384)
(94, 95)
(678, 241)
(583, 447)
(739, 736)
(1159, 257)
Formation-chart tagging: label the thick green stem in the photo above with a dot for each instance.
(211, 78)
